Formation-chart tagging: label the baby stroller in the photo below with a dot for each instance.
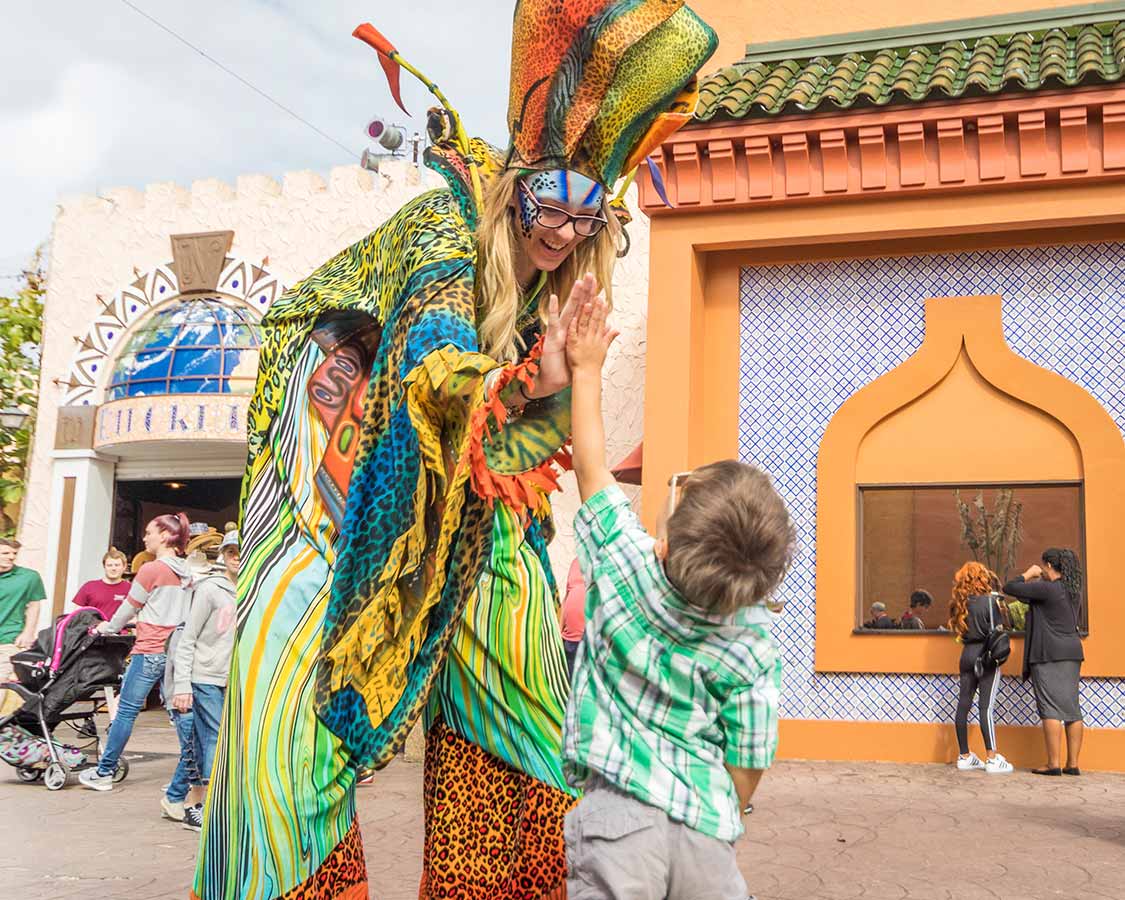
(62, 679)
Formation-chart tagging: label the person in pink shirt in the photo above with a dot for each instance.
(573, 614)
(159, 599)
(106, 594)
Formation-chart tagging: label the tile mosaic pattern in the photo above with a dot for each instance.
(812, 335)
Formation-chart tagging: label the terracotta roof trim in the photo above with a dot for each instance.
(1051, 59)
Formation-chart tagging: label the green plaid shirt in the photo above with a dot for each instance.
(664, 694)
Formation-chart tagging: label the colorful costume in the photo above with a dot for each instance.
(395, 521)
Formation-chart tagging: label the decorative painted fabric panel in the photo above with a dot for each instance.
(281, 795)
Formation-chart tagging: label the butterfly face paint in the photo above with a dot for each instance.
(527, 213)
(563, 188)
(557, 210)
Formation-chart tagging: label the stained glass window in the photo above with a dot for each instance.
(197, 345)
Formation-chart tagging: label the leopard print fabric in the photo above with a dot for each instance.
(342, 875)
(492, 832)
(576, 102)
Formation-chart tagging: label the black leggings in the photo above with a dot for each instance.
(987, 685)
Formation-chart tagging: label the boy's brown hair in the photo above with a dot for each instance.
(10, 542)
(730, 538)
(114, 553)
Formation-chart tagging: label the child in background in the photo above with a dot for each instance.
(573, 614)
(673, 712)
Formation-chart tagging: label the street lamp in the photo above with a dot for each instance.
(12, 417)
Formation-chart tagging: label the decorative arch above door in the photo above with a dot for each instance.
(964, 409)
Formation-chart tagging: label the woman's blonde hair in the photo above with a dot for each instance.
(499, 296)
(972, 580)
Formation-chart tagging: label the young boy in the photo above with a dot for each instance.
(673, 711)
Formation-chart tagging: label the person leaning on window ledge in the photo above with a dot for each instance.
(1052, 651)
(920, 602)
(879, 618)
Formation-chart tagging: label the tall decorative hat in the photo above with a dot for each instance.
(597, 85)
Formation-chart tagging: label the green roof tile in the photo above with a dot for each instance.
(1046, 59)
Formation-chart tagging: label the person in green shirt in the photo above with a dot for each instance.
(673, 712)
(21, 592)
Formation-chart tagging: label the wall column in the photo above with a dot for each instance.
(81, 513)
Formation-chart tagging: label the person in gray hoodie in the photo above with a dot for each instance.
(202, 661)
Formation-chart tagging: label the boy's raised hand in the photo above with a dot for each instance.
(589, 336)
(587, 340)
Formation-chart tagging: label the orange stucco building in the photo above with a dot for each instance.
(893, 274)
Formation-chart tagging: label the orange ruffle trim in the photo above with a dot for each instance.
(525, 491)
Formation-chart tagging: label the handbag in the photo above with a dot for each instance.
(997, 645)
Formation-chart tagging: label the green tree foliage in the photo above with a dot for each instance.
(21, 334)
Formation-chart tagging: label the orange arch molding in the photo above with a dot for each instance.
(959, 330)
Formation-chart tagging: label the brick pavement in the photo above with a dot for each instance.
(821, 831)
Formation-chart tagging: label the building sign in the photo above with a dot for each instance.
(75, 428)
(211, 417)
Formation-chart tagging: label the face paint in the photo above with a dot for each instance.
(527, 213)
(563, 187)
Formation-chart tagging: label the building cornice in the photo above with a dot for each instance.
(1001, 143)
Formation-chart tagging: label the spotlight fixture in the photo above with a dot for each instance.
(390, 137)
(174, 485)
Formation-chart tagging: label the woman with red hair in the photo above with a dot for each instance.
(973, 612)
(159, 599)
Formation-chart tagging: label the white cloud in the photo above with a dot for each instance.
(97, 96)
(69, 135)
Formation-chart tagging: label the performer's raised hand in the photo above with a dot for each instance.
(554, 371)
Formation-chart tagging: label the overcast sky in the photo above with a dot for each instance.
(97, 96)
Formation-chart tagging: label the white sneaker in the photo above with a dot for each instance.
(998, 766)
(970, 763)
(91, 779)
(171, 810)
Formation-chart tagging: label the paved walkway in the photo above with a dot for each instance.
(821, 831)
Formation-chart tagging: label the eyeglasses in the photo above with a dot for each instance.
(553, 217)
(676, 488)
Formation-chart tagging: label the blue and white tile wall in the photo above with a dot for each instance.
(812, 335)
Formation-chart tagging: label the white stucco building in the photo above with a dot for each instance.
(149, 351)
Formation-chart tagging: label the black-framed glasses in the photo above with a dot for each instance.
(553, 217)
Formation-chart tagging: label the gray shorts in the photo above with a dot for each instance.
(618, 848)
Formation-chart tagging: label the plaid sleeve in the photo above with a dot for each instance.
(601, 520)
(749, 716)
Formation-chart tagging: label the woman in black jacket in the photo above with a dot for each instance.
(1052, 652)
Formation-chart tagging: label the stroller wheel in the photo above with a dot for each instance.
(55, 776)
(28, 775)
(121, 771)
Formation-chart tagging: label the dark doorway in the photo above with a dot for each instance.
(210, 501)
